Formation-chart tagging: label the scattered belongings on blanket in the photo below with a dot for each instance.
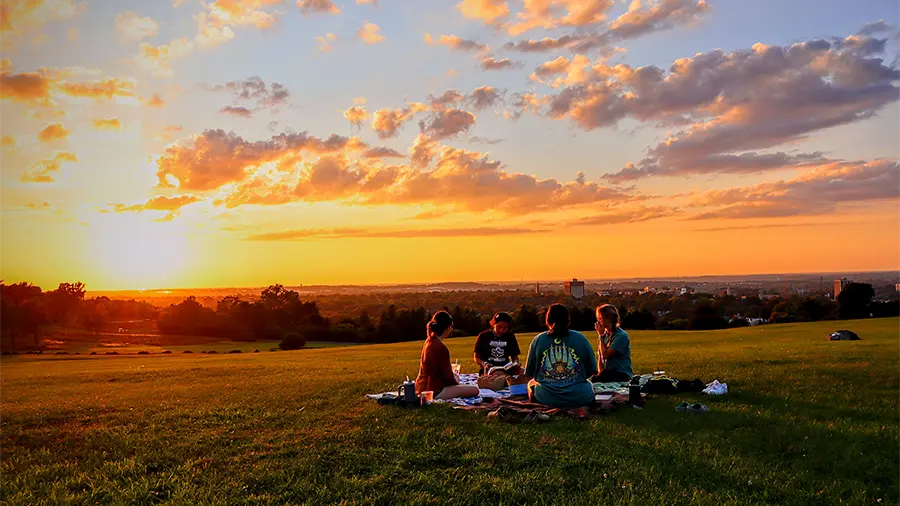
(843, 335)
(663, 384)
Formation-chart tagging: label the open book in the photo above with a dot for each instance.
(503, 368)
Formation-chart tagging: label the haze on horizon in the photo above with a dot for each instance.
(249, 142)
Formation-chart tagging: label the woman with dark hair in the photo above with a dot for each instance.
(497, 345)
(560, 361)
(613, 347)
(435, 372)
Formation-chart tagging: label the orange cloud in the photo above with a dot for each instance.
(356, 115)
(155, 101)
(19, 19)
(325, 42)
(133, 28)
(491, 63)
(241, 12)
(456, 43)
(318, 6)
(344, 233)
(52, 133)
(107, 88)
(169, 131)
(41, 172)
(160, 203)
(25, 87)
(370, 33)
(106, 124)
(486, 10)
(387, 122)
(7, 141)
(215, 158)
(422, 151)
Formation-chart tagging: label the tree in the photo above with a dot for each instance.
(705, 317)
(292, 341)
(855, 300)
(22, 312)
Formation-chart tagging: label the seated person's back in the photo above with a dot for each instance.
(561, 361)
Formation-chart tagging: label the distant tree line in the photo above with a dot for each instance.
(26, 311)
(278, 313)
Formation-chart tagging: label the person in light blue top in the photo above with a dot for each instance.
(613, 347)
(560, 362)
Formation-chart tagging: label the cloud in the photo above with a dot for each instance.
(422, 151)
(293, 167)
(448, 97)
(446, 123)
(819, 191)
(370, 33)
(155, 101)
(456, 43)
(488, 11)
(53, 132)
(214, 158)
(382, 152)
(241, 112)
(107, 88)
(325, 42)
(484, 140)
(6, 141)
(318, 7)
(42, 171)
(548, 15)
(387, 122)
(347, 233)
(169, 131)
(214, 26)
(133, 28)
(26, 87)
(640, 20)
(492, 63)
(160, 203)
(20, 19)
(876, 27)
(253, 89)
(484, 97)
(727, 106)
(356, 115)
(106, 123)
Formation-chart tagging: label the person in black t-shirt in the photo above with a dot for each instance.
(497, 346)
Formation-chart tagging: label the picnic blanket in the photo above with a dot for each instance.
(464, 379)
(519, 404)
(619, 387)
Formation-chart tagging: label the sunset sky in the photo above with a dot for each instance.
(226, 143)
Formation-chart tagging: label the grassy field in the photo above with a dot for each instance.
(806, 421)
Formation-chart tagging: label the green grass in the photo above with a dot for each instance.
(806, 421)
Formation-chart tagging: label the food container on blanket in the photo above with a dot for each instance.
(519, 389)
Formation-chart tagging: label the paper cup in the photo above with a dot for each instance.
(426, 397)
(456, 368)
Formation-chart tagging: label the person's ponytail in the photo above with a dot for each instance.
(557, 320)
(440, 322)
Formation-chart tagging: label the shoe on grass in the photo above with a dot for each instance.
(536, 417)
(681, 408)
(698, 408)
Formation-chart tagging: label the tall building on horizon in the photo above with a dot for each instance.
(839, 285)
(574, 288)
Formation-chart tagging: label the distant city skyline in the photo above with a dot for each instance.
(250, 142)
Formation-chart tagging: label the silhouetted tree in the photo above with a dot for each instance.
(854, 301)
(705, 317)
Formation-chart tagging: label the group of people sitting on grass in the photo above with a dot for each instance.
(561, 365)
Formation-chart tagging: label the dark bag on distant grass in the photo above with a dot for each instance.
(843, 335)
(661, 386)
